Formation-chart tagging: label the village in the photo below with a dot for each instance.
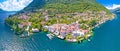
(62, 30)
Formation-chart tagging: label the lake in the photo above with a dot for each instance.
(106, 38)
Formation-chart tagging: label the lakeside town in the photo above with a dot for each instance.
(72, 22)
(63, 30)
(74, 31)
(70, 32)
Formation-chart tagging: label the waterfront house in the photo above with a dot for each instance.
(51, 29)
(77, 33)
(84, 31)
(62, 36)
(72, 40)
(56, 32)
(35, 29)
(63, 33)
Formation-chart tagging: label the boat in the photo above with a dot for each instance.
(61, 37)
(50, 36)
(88, 39)
(23, 36)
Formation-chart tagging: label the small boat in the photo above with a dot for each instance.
(50, 36)
(88, 39)
(61, 37)
(11, 29)
(23, 36)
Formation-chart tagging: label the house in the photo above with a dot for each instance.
(56, 32)
(84, 31)
(46, 18)
(62, 36)
(23, 16)
(35, 29)
(72, 40)
(21, 25)
(77, 33)
(51, 29)
(46, 27)
(63, 27)
(62, 33)
(29, 23)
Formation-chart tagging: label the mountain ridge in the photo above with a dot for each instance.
(116, 10)
(1, 10)
(38, 4)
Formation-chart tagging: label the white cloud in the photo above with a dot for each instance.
(114, 6)
(14, 5)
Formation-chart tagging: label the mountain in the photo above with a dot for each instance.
(117, 10)
(85, 4)
(1, 10)
(36, 4)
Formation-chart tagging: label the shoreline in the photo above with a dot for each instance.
(83, 41)
(91, 35)
(76, 35)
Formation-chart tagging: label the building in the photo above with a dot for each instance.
(61, 30)
(21, 25)
(35, 29)
(77, 33)
(23, 16)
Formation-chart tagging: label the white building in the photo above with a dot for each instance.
(35, 30)
(56, 32)
(46, 27)
(20, 26)
(51, 29)
(77, 33)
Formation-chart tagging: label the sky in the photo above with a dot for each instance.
(110, 4)
(2, 0)
(16, 5)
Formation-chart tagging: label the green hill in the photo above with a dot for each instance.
(82, 5)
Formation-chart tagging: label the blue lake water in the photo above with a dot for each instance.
(106, 38)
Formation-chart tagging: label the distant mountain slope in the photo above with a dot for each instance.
(84, 4)
(36, 4)
(1, 10)
(117, 10)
